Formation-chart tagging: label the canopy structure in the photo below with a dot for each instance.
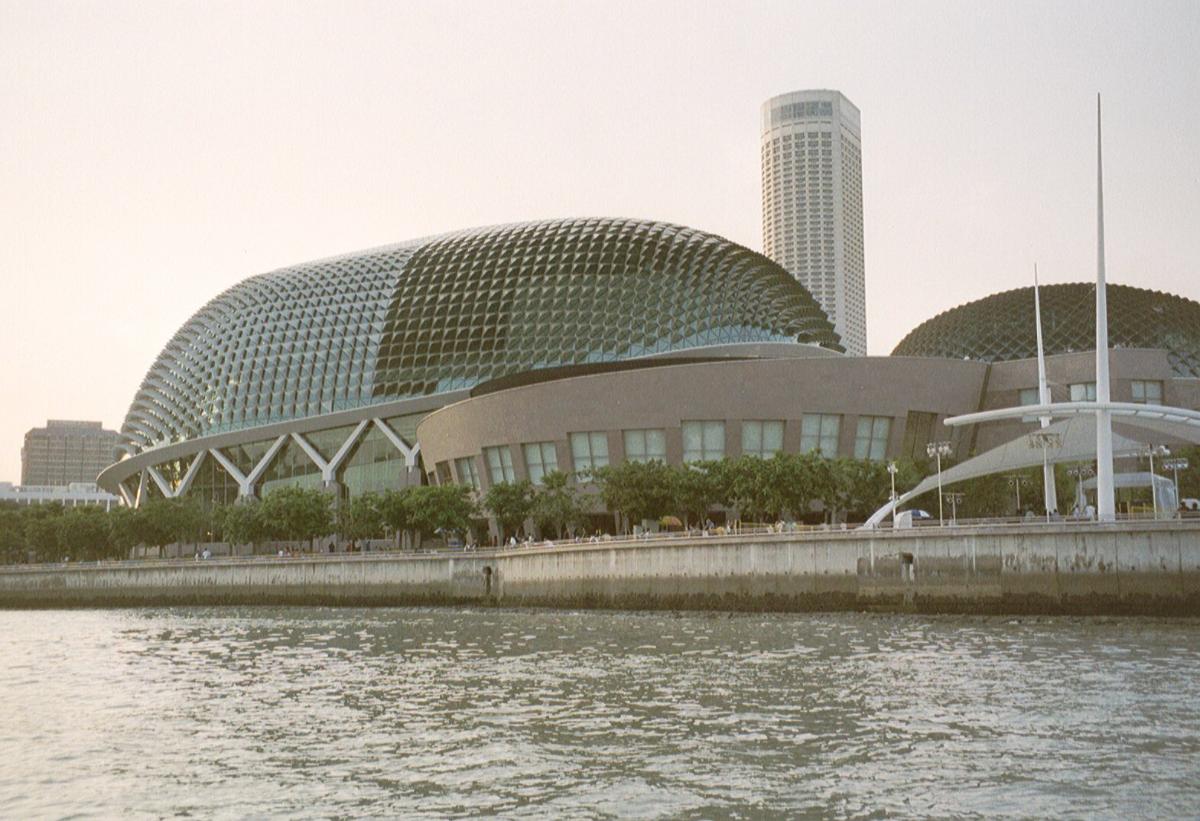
(1134, 426)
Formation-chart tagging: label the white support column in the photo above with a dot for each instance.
(130, 501)
(141, 491)
(162, 483)
(1049, 491)
(192, 471)
(313, 454)
(1106, 505)
(265, 462)
(410, 454)
(347, 446)
(245, 489)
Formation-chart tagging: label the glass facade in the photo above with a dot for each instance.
(1147, 392)
(452, 311)
(762, 438)
(589, 450)
(500, 464)
(703, 441)
(540, 459)
(871, 438)
(820, 431)
(1083, 392)
(468, 474)
(647, 445)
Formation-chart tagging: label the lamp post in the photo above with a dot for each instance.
(955, 498)
(1175, 465)
(1079, 473)
(892, 471)
(939, 449)
(1015, 479)
(1045, 440)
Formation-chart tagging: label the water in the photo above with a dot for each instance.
(234, 713)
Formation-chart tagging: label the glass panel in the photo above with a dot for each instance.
(500, 466)
(540, 459)
(703, 440)
(820, 431)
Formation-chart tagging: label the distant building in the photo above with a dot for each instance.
(812, 203)
(76, 494)
(65, 452)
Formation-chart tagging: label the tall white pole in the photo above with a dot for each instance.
(1050, 492)
(1106, 505)
(1153, 487)
(939, 468)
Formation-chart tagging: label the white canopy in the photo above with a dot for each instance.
(1077, 443)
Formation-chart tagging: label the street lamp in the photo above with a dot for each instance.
(955, 498)
(1046, 440)
(892, 471)
(1015, 479)
(1175, 465)
(1079, 473)
(939, 449)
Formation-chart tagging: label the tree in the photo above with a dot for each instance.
(160, 522)
(440, 509)
(362, 518)
(123, 531)
(511, 503)
(12, 534)
(638, 490)
(41, 532)
(695, 490)
(297, 513)
(557, 506)
(243, 524)
(83, 533)
(394, 510)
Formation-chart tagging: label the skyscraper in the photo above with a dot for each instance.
(64, 452)
(812, 203)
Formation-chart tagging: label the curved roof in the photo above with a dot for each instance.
(1001, 327)
(449, 312)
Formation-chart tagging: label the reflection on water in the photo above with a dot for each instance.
(443, 713)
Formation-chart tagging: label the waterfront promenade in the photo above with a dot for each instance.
(1127, 567)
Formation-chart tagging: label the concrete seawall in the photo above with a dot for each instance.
(1136, 567)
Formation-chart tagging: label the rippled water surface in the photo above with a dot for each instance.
(443, 713)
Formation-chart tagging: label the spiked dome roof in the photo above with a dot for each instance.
(446, 313)
(1001, 328)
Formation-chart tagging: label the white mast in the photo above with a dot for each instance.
(1105, 498)
(1050, 492)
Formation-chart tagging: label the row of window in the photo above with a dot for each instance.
(1144, 391)
(703, 440)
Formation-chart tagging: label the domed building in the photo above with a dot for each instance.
(997, 328)
(318, 373)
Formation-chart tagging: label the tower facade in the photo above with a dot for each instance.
(812, 203)
(65, 451)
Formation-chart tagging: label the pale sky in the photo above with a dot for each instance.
(153, 154)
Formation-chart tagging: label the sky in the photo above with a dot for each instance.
(152, 154)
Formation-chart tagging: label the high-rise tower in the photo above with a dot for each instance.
(812, 203)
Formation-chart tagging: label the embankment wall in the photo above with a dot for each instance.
(1144, 567)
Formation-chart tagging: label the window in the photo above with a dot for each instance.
(703, 441)
(870, 440)
(1083, 392)
(1147, 392)
(645, 445)
(820, 431)
(589, 450)
(467, 474)
(540, 459)
(762, 439)
(1030, 396)
(500, 465)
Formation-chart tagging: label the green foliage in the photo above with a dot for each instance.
(296, 513)
(83, 533)
(439, 509)
(160, 522)
(696, 489)
(362, 518)
(243, 524)
(636, 490)
(511, 503)
(557, 507)
(41, 533)
(394, 511)
(12, 535)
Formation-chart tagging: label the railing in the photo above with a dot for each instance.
(741, 533)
